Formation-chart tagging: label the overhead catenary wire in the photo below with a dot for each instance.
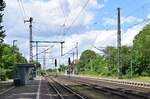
(131, 12)
(43, 51)
(22, 8)
(68, 52)
(23, 14)
(85, 5)
(62, 28)
(144, 21)
(137, 9)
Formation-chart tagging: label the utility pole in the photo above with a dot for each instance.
(36, 51)
(14, 50)
(61, 48)
(13, 53)
(30, 39)
(131, 67)
(73, 57)
(77, 50)
(44, 61)
(119, 58)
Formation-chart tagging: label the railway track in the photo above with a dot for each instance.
(123, 82)
(61, 91)
(126, 94)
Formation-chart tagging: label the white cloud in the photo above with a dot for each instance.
(130, 19)
(48, 16)
(109, 21)
(100, 38)
(106, 38)
(84, 39)
(148, 16)
(50, 13)
(124, 20)
(128, 37)
(48, 19)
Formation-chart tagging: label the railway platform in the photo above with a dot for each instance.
(35, 89)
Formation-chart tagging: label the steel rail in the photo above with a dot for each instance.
(66, 88)
(55, 89)
(122, 93)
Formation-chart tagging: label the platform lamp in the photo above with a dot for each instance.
(14, 50)
(13, 53)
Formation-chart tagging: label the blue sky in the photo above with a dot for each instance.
(96, 25)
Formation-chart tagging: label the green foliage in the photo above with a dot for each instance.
(62, 68)
(2, 32)
(85, 60)
(3, 74)
(141, 50)
(135, 59)
(10, 56)
(41, 72)
(111, 60)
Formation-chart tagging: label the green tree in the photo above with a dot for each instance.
(2, 32)
(126, 53)
(8, 59)
(110, 54)
(98, 64)
(111, 60)
(85, 59)
(62, 68)
(2, 35)
(141, 49)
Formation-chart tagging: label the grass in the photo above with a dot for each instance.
(138, 79)
(92, 74)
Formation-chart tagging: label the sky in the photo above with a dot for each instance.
(89, 22)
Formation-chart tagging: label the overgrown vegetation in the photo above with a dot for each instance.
(135, 59)
(9, 55)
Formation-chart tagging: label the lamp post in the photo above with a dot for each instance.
(13, 52)
(14, 42)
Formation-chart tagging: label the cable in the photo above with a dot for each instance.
(77, 16)
(22, 7)
(62, 29)
(22, 12)
(43, 51)
(61, 8)
(135, 10)
(142, 22)
(23, 16)
(69, 51)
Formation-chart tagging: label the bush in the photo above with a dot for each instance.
(3, 75)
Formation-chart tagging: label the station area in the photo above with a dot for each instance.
(74, 49)
(29, 91)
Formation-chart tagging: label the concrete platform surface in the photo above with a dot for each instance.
(4, 85)
(35, 89)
